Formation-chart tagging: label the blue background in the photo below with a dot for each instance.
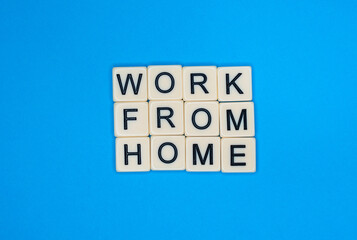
(57, 172)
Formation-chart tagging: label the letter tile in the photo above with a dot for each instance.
(238, 154)
(165, 82)
(132, 154)
(237, 119)
(203, 154)
(200, 83)
(166, 118)
(168, 153)
(234, 84)
(131, 119)
(130, 84)
(201, 118)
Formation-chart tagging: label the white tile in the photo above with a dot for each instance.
(238, 154)
(166, 117)
(131, 119)
(203, 154)
(237, 119)
(168, 152)
(201, 118)
(200, 83)
(132, 154)
(165, 82)
(130, 84)
(234, 83)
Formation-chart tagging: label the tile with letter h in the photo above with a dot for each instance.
(200, 118)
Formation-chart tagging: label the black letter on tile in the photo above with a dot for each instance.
(127, 154)
(160, 150)
(232, 82)
(167, 118)
(196, 152)
(208, 116)
(157, 82)
(233, 163)
(193, 83)
(243, 117)
(129, 78)
(126, 118)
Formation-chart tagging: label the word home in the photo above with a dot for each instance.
(184, 118)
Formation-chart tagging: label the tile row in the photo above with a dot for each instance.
(174, 82)
(195, 154)
(211, 118)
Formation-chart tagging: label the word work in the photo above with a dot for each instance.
(198, 119)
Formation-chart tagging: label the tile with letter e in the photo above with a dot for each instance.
(234, 83)
(201, 118)
(237, 119)
(168, 152)
(166, 118)
(165, 82)
(131, 119)
(132, 154)
(200, 83)
(203, 154)
(130, 84)
(238, 155)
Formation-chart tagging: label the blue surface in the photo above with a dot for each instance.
(57, 174)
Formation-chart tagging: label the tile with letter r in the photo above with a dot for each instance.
(200, 83)
(130, 84)
(132, 154)
(166, 117)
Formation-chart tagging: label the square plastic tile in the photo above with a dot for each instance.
(200, 83)
(131, 119)
(234, 84)
(130, 84)
(201, 118)
(166, 118)
(168, 153)
(238, 154)
(237, 119)
(132, 154)
(165, 82)
(203, 154)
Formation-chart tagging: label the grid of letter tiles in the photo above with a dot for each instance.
(184, 118)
